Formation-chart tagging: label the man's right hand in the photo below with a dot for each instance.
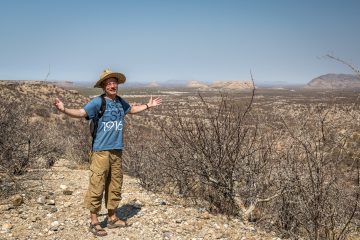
(59, 105)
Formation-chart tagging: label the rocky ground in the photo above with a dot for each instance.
(51, 208)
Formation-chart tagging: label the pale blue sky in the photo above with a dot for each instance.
(280, 41)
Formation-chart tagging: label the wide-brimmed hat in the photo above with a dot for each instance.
(107, 73)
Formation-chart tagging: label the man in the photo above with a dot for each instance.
(106, 160)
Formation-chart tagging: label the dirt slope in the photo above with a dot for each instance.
(49, 213)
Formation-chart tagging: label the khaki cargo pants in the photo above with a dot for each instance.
(106, 176)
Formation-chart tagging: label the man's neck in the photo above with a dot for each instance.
(112, 97)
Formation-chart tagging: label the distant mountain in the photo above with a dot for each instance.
(335, 81)
(196, 84)
(169, 83)
(223, 85)
(153, 85)
(232, 85)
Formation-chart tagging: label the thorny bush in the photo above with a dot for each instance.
(29, 139)
(295, 174)
(319, 176)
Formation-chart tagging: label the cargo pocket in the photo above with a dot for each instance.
(97, 181)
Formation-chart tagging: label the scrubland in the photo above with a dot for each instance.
(286, 161)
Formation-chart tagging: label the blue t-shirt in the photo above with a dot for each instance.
(109, 134)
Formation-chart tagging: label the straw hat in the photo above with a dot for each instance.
(107, 73)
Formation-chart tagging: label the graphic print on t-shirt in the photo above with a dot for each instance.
(113, 117)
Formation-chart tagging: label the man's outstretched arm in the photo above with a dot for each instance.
(75, 113)
(152, 103)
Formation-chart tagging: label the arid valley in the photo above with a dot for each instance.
(260, 163)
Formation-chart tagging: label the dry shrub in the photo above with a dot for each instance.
(140, 142)
(213, 153)
(32, 142)
(321, 189)
(298, 174)
(22, 141)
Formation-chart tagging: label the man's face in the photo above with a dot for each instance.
(110, 86)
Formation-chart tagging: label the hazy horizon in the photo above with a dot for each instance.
(169, 83)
